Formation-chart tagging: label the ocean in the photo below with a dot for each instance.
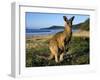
(43, 32)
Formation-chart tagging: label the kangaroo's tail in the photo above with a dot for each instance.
(42, 57)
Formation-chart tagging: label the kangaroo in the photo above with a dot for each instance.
(60, 40)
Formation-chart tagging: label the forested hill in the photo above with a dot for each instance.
(81, 26)
(54, 27)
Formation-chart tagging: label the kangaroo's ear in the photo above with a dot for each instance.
(72, 18)
(65, 18)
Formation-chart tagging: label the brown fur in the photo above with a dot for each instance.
(60, 40)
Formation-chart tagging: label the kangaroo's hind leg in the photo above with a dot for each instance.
(56, 58)
(62, 55)
(54, 53)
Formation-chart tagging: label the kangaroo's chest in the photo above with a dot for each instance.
(67, 38)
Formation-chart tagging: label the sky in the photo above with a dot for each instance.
(44, 20)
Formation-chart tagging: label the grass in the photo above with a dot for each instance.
(37, 51)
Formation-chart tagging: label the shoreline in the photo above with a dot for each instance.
(79, 33)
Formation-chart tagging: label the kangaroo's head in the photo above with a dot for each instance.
(68, 22)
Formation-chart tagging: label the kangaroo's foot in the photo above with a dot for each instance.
(56, 59)
(61, 57)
